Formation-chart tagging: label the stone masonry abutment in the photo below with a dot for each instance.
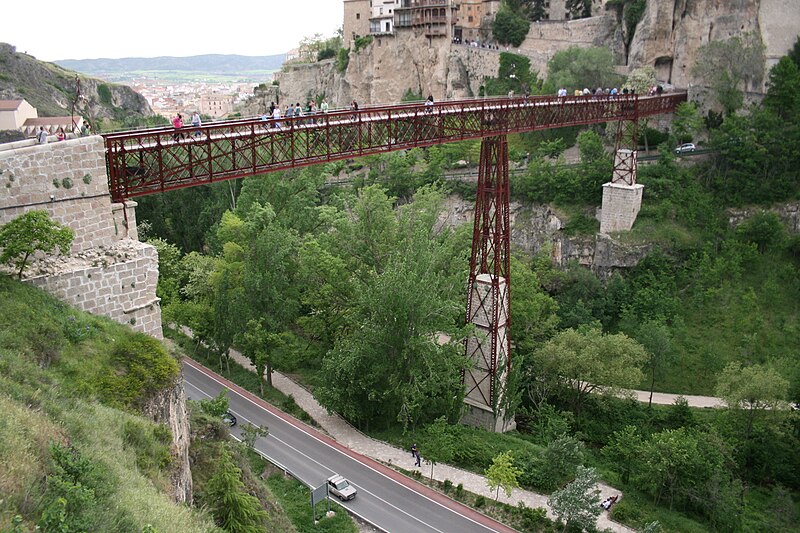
(108, 272)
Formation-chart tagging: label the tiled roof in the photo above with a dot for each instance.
(51, 121)
(10, 105)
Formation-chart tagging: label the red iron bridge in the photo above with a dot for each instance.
(150, 161)
(163, 159)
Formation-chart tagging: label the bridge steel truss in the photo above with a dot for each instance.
(488, 346)
(155, 160)
(163, 159)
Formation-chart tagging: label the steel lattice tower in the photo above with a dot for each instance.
(488, 348)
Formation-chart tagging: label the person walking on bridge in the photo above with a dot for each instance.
(177, 123)
(196, 123)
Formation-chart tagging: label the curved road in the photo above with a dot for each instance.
(386, 498)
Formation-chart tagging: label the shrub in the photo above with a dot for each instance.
(362, 42)
(141, 367)
(447, 486)
(326, 53)
(342, 59)
(150, 443)
(104, 93)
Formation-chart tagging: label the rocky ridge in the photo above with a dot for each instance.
(51, 89)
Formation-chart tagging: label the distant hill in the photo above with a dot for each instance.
(51, 90)
(209, 63)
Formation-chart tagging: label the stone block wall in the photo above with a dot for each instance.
(108, 272)
(68, 180)
(621, 204)
(119, 284)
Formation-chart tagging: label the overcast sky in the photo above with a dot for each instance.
(89, 29)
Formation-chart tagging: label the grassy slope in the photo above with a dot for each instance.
(37, 409)
(56, 404)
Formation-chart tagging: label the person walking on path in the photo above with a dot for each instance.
(324, 106)
(414, 450)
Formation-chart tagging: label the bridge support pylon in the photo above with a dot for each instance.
(488, 348)
(622, 196)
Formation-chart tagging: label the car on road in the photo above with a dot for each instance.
(341, 488)
(229, 419)
(685, 148)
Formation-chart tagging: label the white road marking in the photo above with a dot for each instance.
(342, 453)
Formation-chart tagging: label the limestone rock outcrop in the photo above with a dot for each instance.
(668, 37)
(169, 408)
(671, 32)
(537, 228)
(388, 68)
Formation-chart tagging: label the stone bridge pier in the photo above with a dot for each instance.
(108, 271)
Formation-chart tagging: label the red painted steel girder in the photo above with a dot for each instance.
(489, 284)
(154, 160)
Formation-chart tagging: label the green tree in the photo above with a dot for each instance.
(217, 406)
(29, 233)
(676, 465)
(730, 67)
(688, 122)
(657, 341)
(231, 506)
(509, 27)
(252, 432)
(536, 10)
(588, 360)
(440, 442)
(169, 273)
(753, 389)
(387, 364)
(534, 311)
(557, 463)
(578, 504)
(764, 229)
(783, 90)
(502, 474)
(259, 345)
(580, 68)
(623, 450)
(794, 53)
(641, 79)
(579, 8)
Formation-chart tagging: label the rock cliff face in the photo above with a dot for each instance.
(169, 408)
(672, 31)
(535, 228)
(668, 37)
(390, 66)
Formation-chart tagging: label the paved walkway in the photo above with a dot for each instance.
(662, 398)
(349, 436)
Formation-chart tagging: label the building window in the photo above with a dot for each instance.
(469, 18)
(358, 16)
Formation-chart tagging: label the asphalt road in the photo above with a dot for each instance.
(386, 499)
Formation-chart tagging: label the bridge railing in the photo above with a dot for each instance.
(159, 159)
